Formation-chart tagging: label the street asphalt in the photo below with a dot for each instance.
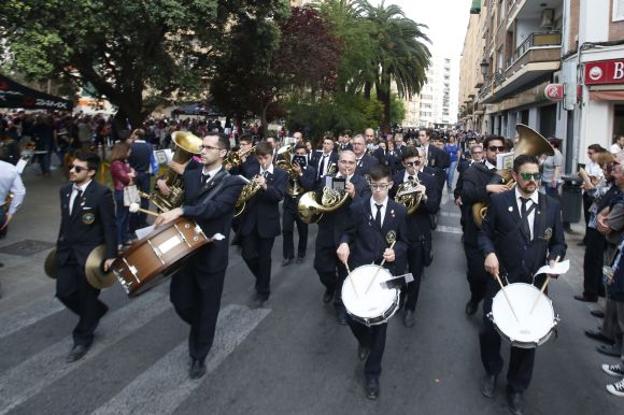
(290, 357)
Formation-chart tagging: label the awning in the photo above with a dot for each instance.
(15, 95)
(613, 95)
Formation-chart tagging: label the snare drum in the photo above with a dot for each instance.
(154, 257)
(531, 329)
(376, 306)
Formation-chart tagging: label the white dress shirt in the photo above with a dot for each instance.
(211, 173)
(270, 170)
(533, 199)
(489, 165)
(407, 175)
(11, 182)
(75, 189)
(324, 159)
(373, 206)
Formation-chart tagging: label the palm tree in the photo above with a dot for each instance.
(401, 56)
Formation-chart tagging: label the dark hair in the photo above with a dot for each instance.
(379, 172)
(523, 159)
(264, 148)
(303, 146)
(426, 131)
(92, 159)
(597, 148)
(246, 137)
(490, 138)
(224, 142)
(347, 132)
(409, 152)
(555, 142)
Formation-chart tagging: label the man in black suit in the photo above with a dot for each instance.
(363, 160)
(479, 181)
(87, 220)
(521, 232)
(418, 225)
(323, 160)
(436, 159)
(475, 156)
(210, 194)
(260, 221)
(344, 141)
(140, 160)
(249, 164)
(290, 212)
(331, 226)
(364, 242)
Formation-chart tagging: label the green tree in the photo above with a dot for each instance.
(137, 53)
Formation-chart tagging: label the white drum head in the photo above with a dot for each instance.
(532, 327)
(378, 299)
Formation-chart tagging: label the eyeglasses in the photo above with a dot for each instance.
(412, 163)
(204, 147)
(497, 148)
(379, 186)
(78, 169)
(528, 176)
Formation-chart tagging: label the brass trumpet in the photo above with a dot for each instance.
(235, 158)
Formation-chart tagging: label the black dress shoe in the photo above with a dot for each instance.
(408, 318)
(488, 386)
(586, 299)
(286, 262)
(596, 335)
(341, 316)
(328, 296)
(363, 352)
(614, 350)
(597, 313)
(299, 260)
(198, 369)
(372, 387)
(77, 353)
(471, 307)
(514, 402)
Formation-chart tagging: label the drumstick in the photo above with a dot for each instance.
(351, 279)
(135, 207)
(506, 297)
(537, 297)
(378, 269)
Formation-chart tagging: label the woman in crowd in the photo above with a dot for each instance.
(122, 175)
(551, 169)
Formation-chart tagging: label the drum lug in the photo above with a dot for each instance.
(490, 316)
(557, 319)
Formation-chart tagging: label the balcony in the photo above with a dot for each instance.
(537, 56)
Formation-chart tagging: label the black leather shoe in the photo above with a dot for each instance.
(286, 262)
(372, 387)
(299, 260)
(471, 307)
(408, 318)
(363, 352)
(328, 296)
(597, 313)
(198, 369)
(586, 299)
(77, 353)
(514, 402)
(488, 386)
(614, 350)
(596, 335)
(341, 316)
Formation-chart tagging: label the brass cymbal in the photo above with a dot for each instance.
(49, 266)
(93, 269)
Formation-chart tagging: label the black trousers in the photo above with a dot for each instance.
(416, 265)
(289, 218)
(476, 274)
(73, 290)
(139, 220)
(330, 270)
(257, 256)
(593, 260)
(374, 339)
(198, 303)
(520, 361)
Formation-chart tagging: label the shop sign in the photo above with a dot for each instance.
(604, 72)
(554, 92)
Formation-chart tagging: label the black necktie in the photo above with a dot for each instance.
(410, 178)
(205, 178)
(525, 217)
(378, 214)
(322, 169)
(76, 203)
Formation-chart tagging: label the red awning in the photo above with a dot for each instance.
(606, 95)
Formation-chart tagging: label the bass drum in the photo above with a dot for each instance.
(149, 260)
(375, 306)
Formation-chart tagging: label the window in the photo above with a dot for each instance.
(618, 10)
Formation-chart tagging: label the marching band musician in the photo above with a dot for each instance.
(330, 270)
(364, 161)
(478, 182)
(260, 221)
(363, 242)
(87, 220)
(210, 194)
(290, 216)
(249, 164)
(522, 230)
(418, 225)
(324, 159)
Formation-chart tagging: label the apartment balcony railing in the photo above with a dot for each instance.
(535, 40)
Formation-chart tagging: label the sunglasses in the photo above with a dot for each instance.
(78, 169)
(528, 176)
(412, 163)
(497, 148)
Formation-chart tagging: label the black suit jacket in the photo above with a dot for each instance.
(212, 210)
(437, 158)
(92, 224)
(364, 165)
(262, 210)
(368, 241)
(519, 256)
(418, 223)
(317, 157)
(474, 180)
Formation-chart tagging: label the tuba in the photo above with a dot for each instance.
(186, 145)
(311, 211)
(284, 162)
(531, 143)
(408, 196)
(248, 191)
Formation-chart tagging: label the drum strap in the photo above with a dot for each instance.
(222, 175)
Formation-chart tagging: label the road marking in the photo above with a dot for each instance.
(450, 214)
(165, 385)
(449, 229)
(25, 380)
(28, 314)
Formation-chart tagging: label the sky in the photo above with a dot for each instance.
(447, 21)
